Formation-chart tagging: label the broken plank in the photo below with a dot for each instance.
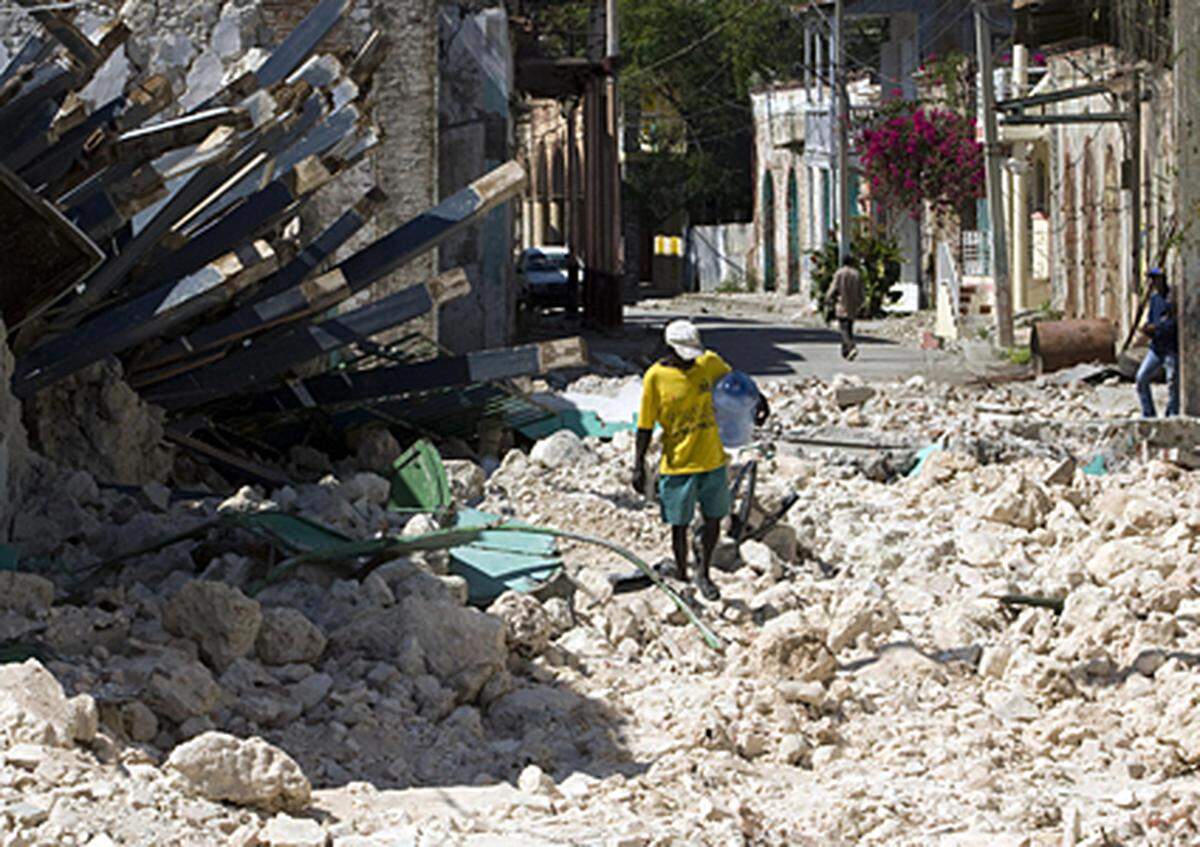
(405, 243)
(368, 265)
(301, 42)
(52, 153)
(847, 443)
(250, 469)
(1052, 603)
(350, 387)
(142, 319)
(49, 82)
(369, 57)
(292, 274)
(289, 55)
(310, 139)
(247, 220)
(107, 210)
(66, 33)
(146, 143)
(259, 364)
(187, 201)
(33, 52)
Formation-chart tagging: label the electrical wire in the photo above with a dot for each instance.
(712, 33)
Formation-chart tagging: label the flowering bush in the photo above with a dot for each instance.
(913, 155)
(878, 259)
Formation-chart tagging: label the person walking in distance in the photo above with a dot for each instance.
(677, 395)
(1163, 332)
(847, 293)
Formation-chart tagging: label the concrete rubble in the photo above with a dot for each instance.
(872, 690)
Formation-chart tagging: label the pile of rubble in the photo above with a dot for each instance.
(873, 686)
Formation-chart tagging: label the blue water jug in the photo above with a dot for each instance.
(735, 399)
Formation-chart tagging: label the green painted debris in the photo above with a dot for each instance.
(922, 456)
(289, 532)
(1097, 466)
(481, 538)
(9, 557)
(505, 560)
(419, 483)
(583, 423)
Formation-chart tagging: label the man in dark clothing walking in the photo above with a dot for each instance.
(847, 293)
(1164, 347)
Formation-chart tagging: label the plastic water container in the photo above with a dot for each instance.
(735, 399)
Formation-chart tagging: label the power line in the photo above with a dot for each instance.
(712, 33)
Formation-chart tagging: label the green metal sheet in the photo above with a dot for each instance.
(502, 561)
(583, 423)
(9, 556)
(420, 483)
(294, 533)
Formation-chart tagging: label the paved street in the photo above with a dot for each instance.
(765, 347)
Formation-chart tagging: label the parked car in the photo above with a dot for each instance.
(543, 276)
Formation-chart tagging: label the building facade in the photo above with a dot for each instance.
(795, 144)
(1069, 195)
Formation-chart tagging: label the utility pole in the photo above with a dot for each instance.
(1187, 134)
(841, 116)
(1135, 196)
(603, 287)
(613, 175)
(1000, 280)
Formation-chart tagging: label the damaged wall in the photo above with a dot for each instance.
(203, 45)
(14, 451)
(94, 421)
(475, 135)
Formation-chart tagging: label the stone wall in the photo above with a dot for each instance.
(14, 451)
(719, 256)
(475, 136)
(1091, 241)
(781, 189)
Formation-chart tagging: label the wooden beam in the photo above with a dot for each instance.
(66, 33)
(258, 365)
(289, 276)
(365, 386)
(253, 470)
(291, 54)
(245, 221)
(142, 319)
(368, 265)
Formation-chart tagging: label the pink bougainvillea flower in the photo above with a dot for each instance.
(922, 156)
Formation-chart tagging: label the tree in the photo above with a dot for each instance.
(700, 58)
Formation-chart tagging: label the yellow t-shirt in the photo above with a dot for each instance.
(681, 403)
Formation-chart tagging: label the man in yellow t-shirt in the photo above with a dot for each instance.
(677, 395)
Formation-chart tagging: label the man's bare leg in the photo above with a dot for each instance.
(679, 545)
(708, 543)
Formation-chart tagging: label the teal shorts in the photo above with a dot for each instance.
(679, 493)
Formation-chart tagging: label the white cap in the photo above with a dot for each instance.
(684, 339)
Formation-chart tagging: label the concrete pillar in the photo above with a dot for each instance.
(808, 60)
(554, 230)
(1020, 229)
(538, 230)
(818, 63)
